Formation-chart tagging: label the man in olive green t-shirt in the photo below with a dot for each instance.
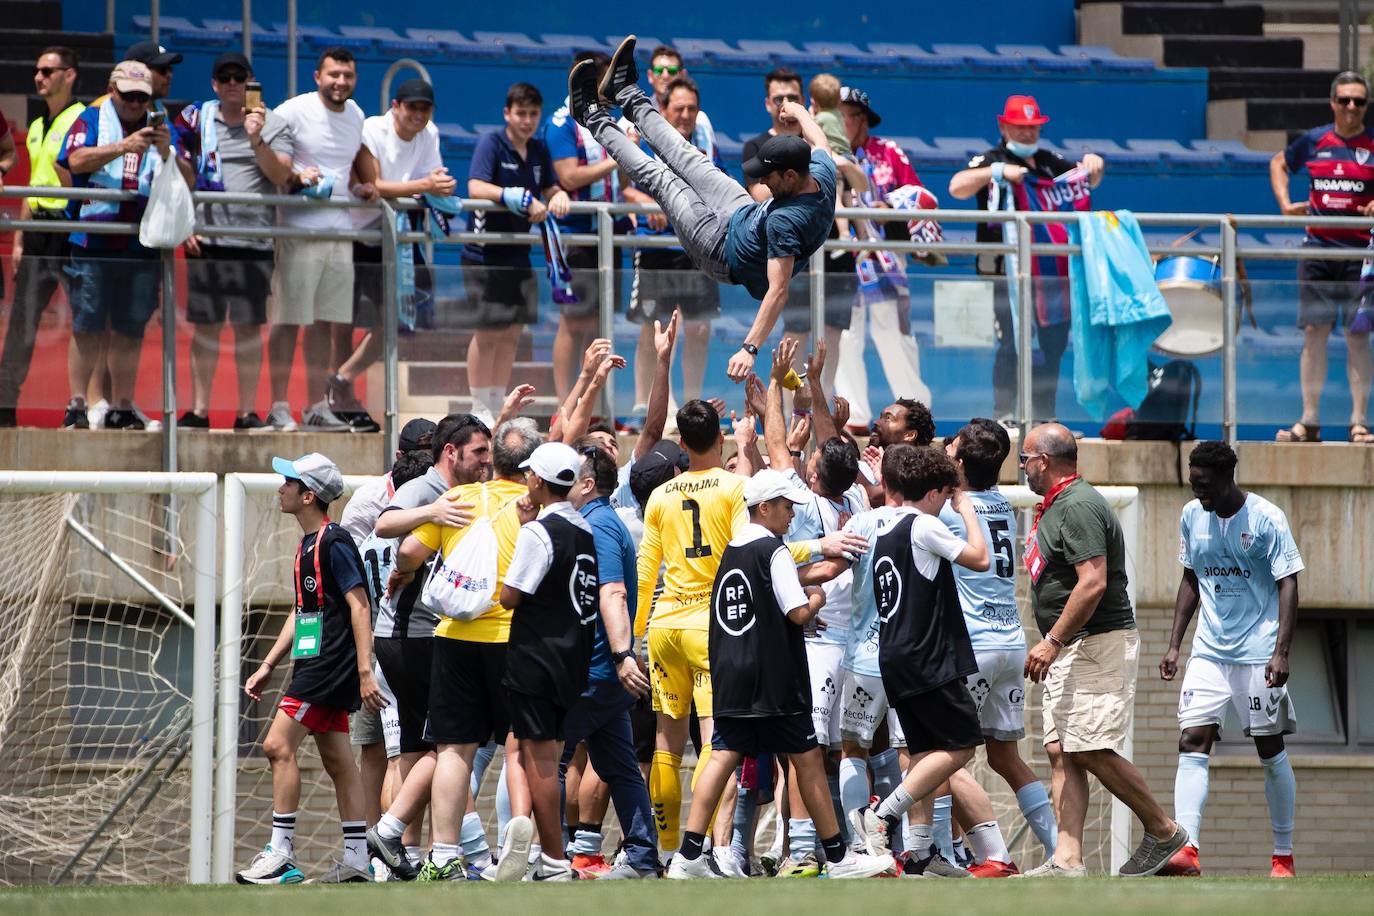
(1076, 558)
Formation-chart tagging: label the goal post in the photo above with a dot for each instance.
(63, 794)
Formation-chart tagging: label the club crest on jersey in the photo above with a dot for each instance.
(1246, 540)
(887, 588)
(1361, 155)
(735, 603)
(582, 588)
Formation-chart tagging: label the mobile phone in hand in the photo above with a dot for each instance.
(252, 95)
(157, 119)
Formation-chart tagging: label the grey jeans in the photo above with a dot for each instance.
(697, 197)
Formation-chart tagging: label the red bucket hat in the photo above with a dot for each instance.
(1022, 110)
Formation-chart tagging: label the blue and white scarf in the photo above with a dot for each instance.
(556, 261)
(440, 209)
(209, 174)
(111, 175)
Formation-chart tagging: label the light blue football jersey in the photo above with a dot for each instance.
(816, 518)
(989, 598)
(1237, 561)
(861, 648)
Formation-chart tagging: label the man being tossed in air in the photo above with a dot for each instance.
(729, 235)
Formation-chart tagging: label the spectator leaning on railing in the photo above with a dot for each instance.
(240, 150)
(401, 152)
(115, 280)
(1337, 158)
(38, 257)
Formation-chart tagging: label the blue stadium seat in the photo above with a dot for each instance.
(1042, 58)
(183, 31)
(784, 53)
(319, 37)
(966, 147)
(644, 46)
(1106, 58)
(849, 55)
(390, 41)
(1174, 152)
(522, 45)
(571, 44)
(731, 150)
(262, 36)
(1234, 151)
(916, 57)
(713, 50)
(980, 58)
(456, 139)
(922, 154)
(1110, 150)
(458, 45)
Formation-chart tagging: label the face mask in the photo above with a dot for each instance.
(1022, 150)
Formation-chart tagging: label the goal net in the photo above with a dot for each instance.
(98, 656)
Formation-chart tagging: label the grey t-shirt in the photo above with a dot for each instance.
(404, 614)
(239, 167)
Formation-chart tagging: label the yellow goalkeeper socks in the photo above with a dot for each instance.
(665, 790)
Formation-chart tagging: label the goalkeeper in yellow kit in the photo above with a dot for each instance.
(688, 522)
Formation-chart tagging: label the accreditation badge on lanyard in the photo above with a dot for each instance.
(1034, 560)
(309, 626)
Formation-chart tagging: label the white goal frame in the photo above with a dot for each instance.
(203, 488)
(1126, 502)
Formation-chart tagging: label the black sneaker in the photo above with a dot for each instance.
(622, 72)
(123, 419)
(249, 422)
(192, 420)
(359, 421)
(392, 852)
(582, 93)
(8, 420)
(75, 417)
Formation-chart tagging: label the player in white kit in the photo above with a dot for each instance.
(1240, 565)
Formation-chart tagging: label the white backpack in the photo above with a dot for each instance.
(463, 584)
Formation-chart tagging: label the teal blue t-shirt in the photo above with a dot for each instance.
(793, 228)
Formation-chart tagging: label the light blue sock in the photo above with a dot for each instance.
(480, 762)
(1034, 802)
(940, 826)
(473, 838)
(1281, 791)
(887, 772)
(502, 808)
(1190, 795)
(801, 838)
(587, 842)
(854, 788)
(742, 834)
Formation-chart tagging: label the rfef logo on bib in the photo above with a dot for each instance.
(582, 587)
(734, 608)
(887, 587)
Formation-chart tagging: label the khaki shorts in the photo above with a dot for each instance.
(313, 282)
(1090, 692)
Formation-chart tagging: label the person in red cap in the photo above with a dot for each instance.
(1017, 155)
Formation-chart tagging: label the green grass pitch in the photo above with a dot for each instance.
(776, 897)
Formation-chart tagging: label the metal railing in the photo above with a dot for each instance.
(1227, 254)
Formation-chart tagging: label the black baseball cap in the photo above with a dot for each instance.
(856, 96)
(153, 54)
(231, 59)
(659, 466)
(778, 154)
(416, 90)
(418, 433)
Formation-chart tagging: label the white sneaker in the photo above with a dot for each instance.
(149, 423)
(703, 866)
(515, 852)
(95, 414)
(342, 873)
(861, 865)
(318, 418)
(546, 869)
(279, 418)
(871, 830)
(727, 862)
(269, 867)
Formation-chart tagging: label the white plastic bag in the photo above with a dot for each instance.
(170, 216)
(462, 585)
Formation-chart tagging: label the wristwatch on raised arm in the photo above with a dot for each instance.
(750, 349)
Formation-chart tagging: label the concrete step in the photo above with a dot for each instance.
(20, 43)
(16, 76)
(1284, 114)
(43, 15)
(1192, 19)
(1232, 51)
(1268, 82)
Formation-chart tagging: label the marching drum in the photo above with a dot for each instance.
(1192, 287)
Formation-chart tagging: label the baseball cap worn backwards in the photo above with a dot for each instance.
(320, 475)
(418, 433)
(778, 154)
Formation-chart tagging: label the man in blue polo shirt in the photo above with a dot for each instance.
(601, 716)
(730, 236)
(510, 167)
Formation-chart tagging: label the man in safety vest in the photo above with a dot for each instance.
(39, 256)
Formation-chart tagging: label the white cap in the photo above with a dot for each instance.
(320, 475)
(770, 484)
(555, 462)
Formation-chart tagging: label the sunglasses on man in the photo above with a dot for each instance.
(232, 76)
(46, 72)
(665, 71)
(135, 98)
(1347, 101)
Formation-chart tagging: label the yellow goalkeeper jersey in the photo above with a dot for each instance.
(688, 522)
